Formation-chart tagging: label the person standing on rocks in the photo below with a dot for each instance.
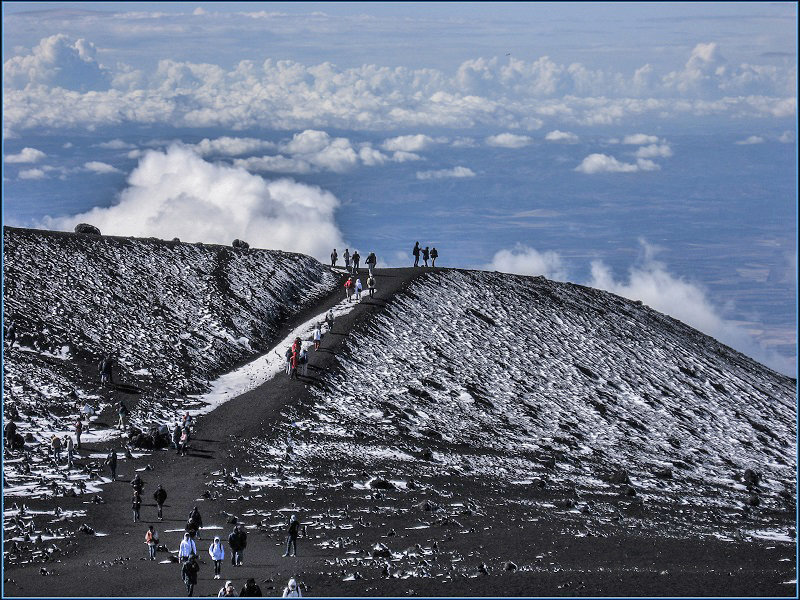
(78, 432)
(426, 253)
(217, 552)
(189, 572)
(358, 289)
(111, 461)
(434, 256)
(416, 252)
(234, 541)
(304, 362)
(176, 438)
(151, 539)
(292, 590)
(136, 505)
(123, 413)
(291, 536)
(11, 334)
(160, 496)
(334, 257)
(356, 261)
(183, 443)
(55, 446)
(250, 589)
(347, 259)
(372, 260)
(8, 433)
(348, 288)
(317, 336)
(106, 366)
(70, 447)
(329, 319)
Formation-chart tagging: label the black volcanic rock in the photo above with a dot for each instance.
(85, 228)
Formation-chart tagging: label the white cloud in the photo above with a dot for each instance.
(508, 140)
(32, 174)
(230, 146)
(603, 163)
(26, 155)
(654, 151)
(753, 139)
(100, 168)
(524, 260)
(116, 145)
(561, 136)
(444, 173)
(177, 193)
(639, 139)
(464, 142)
(787, 137)
(407, 143)
(401, 156)
(199, 11)
(274, 164)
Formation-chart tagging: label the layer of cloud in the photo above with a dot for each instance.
(508, 140)
(26, 155)
(561, 136)
(175, 193)
(639, 139)
(101, 168)
(524, 260)
(456, 172)
(32, 174)
(603, 163)
(408, 143)
(502, 94)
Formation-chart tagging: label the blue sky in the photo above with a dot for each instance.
(645, 148)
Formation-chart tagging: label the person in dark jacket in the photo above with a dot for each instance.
(434, 256)
(356, 261)
(416, 252)
(9, 433)
(195, 523)
(160, 496)
(250, 589)
(106, 366)
(291, 538)
(189, 572)
(242, 546)
(372, 260)
(334, 256)
(426, 254)
(234, 543)
(11, 334)
(111, 461)
(136, 505)
(137, 484)
(78, 432)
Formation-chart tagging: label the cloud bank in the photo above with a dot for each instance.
(524, 260)
(603, 163)
(176, 193)
(457, 172)
(508, 140)
(510, 94)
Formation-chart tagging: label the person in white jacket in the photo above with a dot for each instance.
(292, 590)
(188, 547)
(217, 552)
(358, 289)
(317, 336)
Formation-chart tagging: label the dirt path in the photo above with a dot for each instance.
(112, 565)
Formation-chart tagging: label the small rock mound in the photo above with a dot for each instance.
(87, 229)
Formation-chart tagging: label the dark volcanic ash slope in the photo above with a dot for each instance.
(521, 382)
(175, 314)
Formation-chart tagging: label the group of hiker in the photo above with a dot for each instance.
(352, 262)
(426, 253)
(353, 288)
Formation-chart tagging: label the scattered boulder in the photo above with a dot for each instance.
(175, 239)
(379, 483)
(86, 529)
(620, 476)
(428, 505)
(509, 566)
(751, 478)
(564, 503)
(549, 462)
(753, 500)
(87, 229)
(426, 454)
(629, 490)
(240, 244)
(665, 473)
(483, 569)
(381, 551)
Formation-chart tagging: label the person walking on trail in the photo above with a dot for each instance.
(329, 319)
(189, 572)
(176, 438)
(136, 505)
(234, 541)
(317, 336)
(426, 255)
(288, 356)
(217, 552)
(356, 261)
(347, 259)
(111, 461)
(151, 539)
(123, 413)
(250, 589)
(291, 536)
(160, 496)
(303, 360)
(137, 484)
(292, 590)
(371, 286)
(334, 257)
(194, 523)
(372, 260)
(242, 545)
(348, 288)
(416, 252)
(434, 256)
(358, 289)
(78, 432)
(183, 443)
(227, 591)
(187, 548)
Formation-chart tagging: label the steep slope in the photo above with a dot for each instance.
(525, 382)
(175, 315)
